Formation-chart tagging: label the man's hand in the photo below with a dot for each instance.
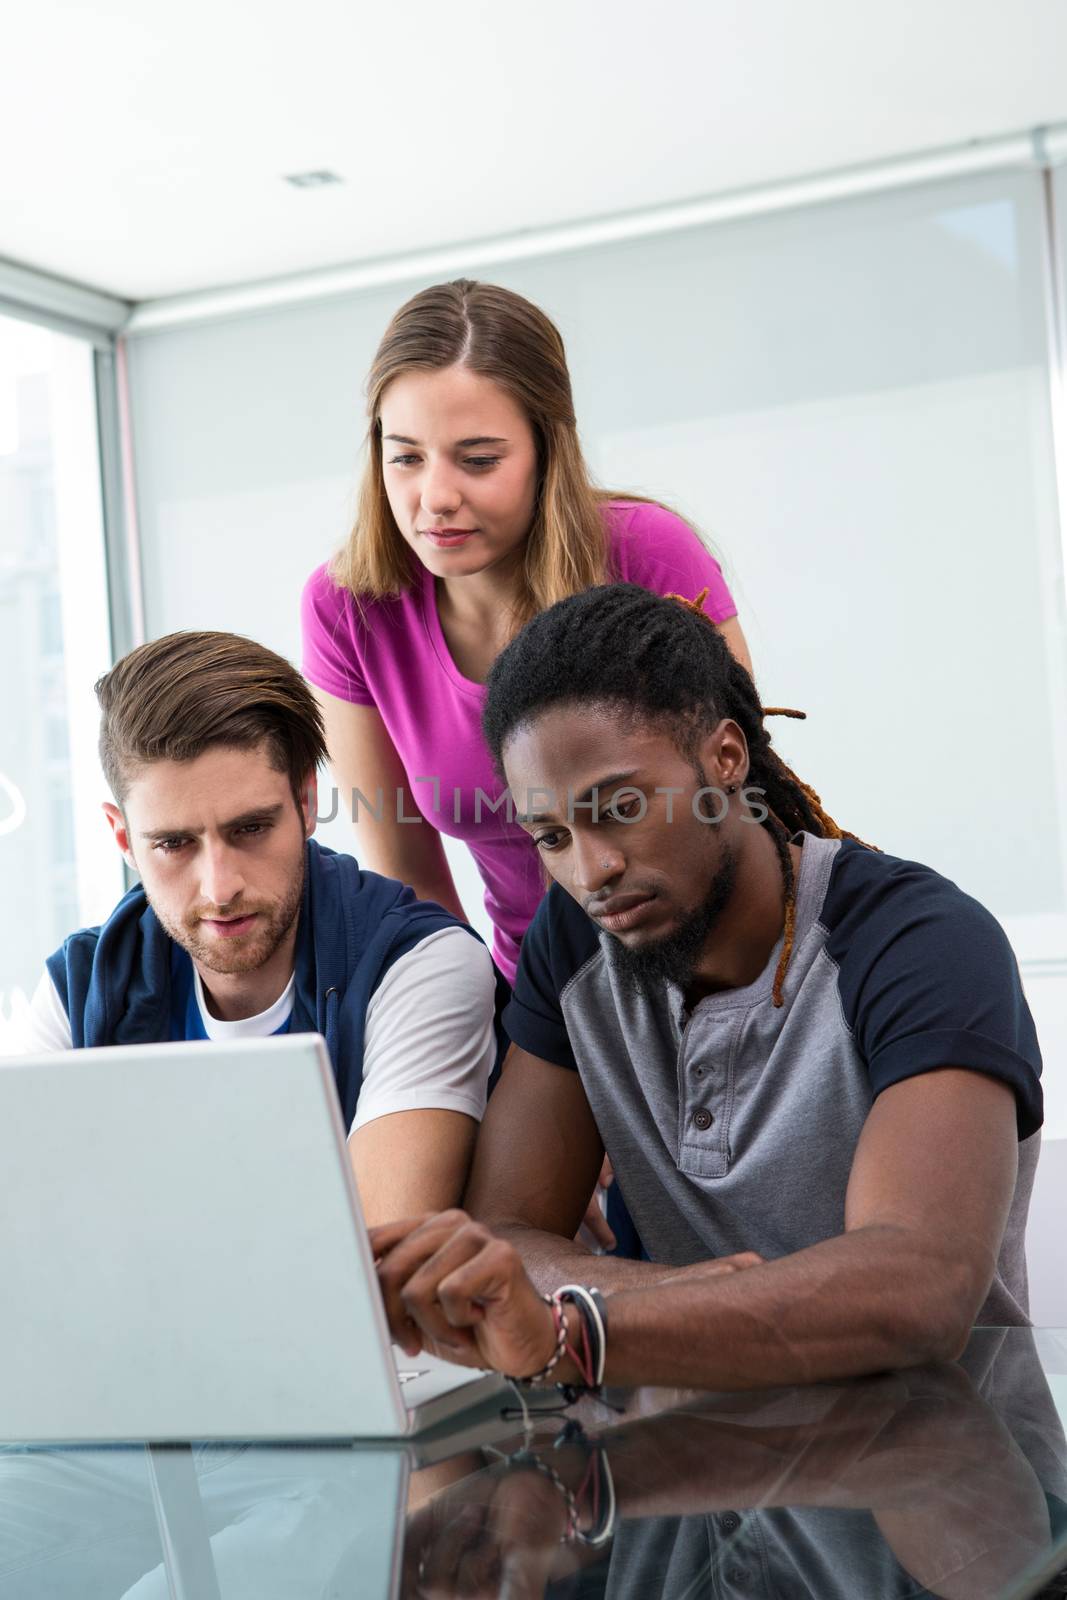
(498, 1532)
(595, 1231)
(714, 1266)
(453, 1289)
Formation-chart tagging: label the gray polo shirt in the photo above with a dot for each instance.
(733, 1127)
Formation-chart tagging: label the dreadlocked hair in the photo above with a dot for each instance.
(654, 658)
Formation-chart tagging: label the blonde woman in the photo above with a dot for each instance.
(476, 512)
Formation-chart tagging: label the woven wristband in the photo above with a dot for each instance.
(560, 1323)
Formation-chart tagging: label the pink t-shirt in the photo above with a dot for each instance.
(394, 656)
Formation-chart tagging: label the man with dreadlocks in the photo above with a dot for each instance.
(810, 1063)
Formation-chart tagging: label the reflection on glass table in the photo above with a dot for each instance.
(945, 1481)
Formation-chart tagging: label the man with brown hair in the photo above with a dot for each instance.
(243, 926)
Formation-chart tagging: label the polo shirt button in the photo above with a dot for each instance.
(702, 1119)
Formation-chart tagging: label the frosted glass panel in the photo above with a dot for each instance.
(852, 402)
(58, 864)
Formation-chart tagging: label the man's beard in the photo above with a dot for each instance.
(242, 954)
(673, 958)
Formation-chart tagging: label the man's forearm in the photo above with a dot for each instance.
(866, 1301)
(551, 1260)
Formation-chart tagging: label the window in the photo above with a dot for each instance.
(57, 866)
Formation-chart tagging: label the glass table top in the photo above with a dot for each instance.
(945, 1481)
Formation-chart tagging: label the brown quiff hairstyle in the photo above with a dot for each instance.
(498, 334)
(174, 698)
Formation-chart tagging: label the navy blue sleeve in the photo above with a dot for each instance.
(927, 979)
(559, 939)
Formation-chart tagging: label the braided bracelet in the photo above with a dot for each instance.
(527, 1458)
(559, 1322)
(605, 1505)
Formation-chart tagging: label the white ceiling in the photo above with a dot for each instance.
(143, 145)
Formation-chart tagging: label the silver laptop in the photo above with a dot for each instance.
(182, 1255)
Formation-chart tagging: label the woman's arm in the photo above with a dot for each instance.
(731, 632)
(364, 758)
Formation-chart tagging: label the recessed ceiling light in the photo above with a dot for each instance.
(312, 180)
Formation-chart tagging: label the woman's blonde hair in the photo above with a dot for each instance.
(498, 334)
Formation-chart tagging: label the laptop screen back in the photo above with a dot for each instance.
(181, 1249)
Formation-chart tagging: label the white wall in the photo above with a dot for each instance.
(851, 401)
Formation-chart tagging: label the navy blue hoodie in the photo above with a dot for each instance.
(115, 980)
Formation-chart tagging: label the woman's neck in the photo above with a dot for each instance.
(478, 615)
(480, 598)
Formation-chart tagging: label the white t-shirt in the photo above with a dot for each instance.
(428, 1044)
